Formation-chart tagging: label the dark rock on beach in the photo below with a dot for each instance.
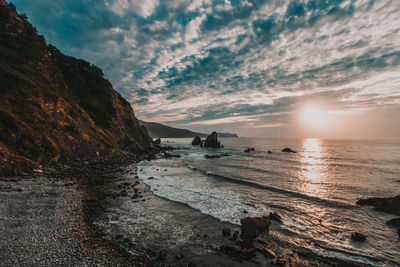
(389, 205)
(215, 156)
(288, 150)
(251, 227)
(169, 155)
(394, 222)
(358, 237)
(226, 231)
(196, 141)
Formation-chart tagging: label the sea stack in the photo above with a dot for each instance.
(196, 141)
(212, 141)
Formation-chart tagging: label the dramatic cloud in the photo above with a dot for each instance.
(244, 66)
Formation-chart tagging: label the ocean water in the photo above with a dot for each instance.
(314, 190)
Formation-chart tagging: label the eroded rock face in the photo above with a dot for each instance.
(212, 141)
(196, 141)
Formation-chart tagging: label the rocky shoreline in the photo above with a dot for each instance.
(87, 188)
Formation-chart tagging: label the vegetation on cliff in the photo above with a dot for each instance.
(54, 105)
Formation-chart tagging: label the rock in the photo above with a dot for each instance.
(398, 231)
(212, 141)
(252, 149)
(247, 150)
(216, 156)
(226, 231)
(117, 193)
(389, 205)
(269, 253)
(178, 256)
(269, 152)
(150, 178)
(394, 222)
(252, 227)
(20, 189)
(157, 142)
(275, 216)
(169, 155)
(358, 237)
(288, 150)
(196, 141)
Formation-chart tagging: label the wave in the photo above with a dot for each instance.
(327, 202)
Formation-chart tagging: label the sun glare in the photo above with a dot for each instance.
(314, 116)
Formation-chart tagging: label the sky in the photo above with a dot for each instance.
(249, 67)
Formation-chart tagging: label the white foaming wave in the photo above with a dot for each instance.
(199, 192)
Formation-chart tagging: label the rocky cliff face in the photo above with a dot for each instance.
(52, 105)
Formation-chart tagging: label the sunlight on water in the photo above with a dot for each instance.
(313, 170)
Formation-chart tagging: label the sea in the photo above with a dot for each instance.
(314, 190)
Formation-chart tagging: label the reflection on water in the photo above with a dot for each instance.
(313, 169)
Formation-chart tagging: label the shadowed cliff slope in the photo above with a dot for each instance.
(52, 105)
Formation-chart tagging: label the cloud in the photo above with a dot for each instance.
(209, 62)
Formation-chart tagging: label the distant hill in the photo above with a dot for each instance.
(158, 130)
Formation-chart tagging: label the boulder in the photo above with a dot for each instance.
(247, 150)
(358, 237)
(169, 155)
(394, 222)
(212, 141)
(196, 141)
(216, 156)
(251, 227)
(288, 150)
(226, 231)
(157, 142)
(389, 205)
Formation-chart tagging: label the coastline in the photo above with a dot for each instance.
(85, 190)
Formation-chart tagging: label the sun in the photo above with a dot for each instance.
(314, 116)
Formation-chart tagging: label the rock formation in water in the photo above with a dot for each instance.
(55, 106)
(212, 141)
(196, 141)
(288, 150)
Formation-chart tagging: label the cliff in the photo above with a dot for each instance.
(54, 106)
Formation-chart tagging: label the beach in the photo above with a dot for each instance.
(99, 212)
